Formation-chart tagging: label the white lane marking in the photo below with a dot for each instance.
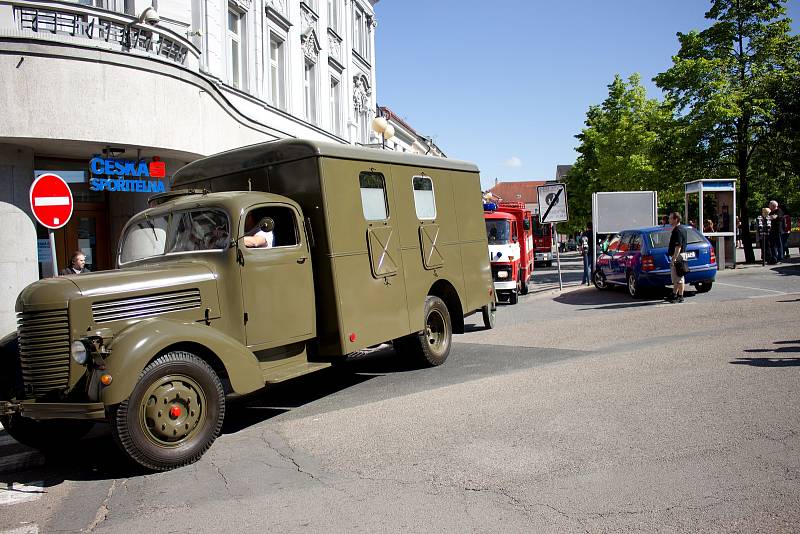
(51, 201)
(27, 529)
(753, 288)
(15, 492)
(771, 296)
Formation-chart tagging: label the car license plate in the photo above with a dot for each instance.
(691, 255)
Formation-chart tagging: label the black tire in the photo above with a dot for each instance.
(599, 280)
(45, 435)
(548, 264)
(489, 315)
(704, 287)
(185, 434)
(523, 289)
(431, 346)
(633, 286)
(513, 298)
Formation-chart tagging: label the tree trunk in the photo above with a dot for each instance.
(744, 195)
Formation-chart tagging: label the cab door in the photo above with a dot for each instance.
(277, 283)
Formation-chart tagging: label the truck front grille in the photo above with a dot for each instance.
(44, 350)
(504, 268)
(148, 306)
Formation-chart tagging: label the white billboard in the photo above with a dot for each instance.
(623, 210)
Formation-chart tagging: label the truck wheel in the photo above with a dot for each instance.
(173, 414)
(513, 298)
(489, 315)
(432, 345)
(524, 285)
(45, 435)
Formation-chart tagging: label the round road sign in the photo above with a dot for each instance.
(51, 201)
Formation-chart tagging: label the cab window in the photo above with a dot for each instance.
(271, 227)
(424, 198)
(373, 196)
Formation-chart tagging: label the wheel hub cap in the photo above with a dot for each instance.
(172, 409)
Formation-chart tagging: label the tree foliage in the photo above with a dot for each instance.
(622, 148)
(730, 85)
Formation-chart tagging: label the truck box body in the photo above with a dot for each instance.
(370, 276)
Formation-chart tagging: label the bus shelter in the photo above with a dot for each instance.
(710, 206)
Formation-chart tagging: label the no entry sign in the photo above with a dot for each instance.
(51, 201)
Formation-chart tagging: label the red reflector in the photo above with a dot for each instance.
(175, 411)
(713, 256)
(352, 337)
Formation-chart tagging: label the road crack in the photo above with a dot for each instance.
(103, 510)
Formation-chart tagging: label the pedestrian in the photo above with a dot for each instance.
(708, 228)
(725, 220)
(676, 253)
(738, 232)
(77, 264)
(587, 253)
(776, 231)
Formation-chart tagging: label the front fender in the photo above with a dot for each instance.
(133, 348)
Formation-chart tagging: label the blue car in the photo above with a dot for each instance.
(638, 259)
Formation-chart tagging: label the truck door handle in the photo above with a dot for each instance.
(301, 259)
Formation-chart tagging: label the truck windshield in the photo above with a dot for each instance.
(175, 232)
(498, 231)
(540, 230)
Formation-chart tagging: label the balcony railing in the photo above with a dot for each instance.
(97, 25)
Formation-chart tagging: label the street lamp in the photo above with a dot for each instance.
(381, 126)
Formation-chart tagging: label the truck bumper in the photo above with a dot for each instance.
(54, 410)
(505, 286)
(543, 256)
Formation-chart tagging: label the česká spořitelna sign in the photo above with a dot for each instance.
(127, 176)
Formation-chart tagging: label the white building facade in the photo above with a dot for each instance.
(406, 138)
(86, 82)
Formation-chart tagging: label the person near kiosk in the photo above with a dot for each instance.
(77, 264)
(775, 240)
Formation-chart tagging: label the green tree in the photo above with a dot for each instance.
(725, 82)
(622, 148)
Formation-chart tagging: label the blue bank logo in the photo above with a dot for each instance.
(129, 176)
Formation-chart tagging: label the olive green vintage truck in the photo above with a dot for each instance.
(262, 264)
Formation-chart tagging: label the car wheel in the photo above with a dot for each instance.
(704, 287)
(489, 315)
(633, 286)
(173, 414)
(599, 280)
(513, 298)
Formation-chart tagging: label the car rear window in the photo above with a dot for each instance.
(660, 239)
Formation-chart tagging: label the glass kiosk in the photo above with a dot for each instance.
(710, 205)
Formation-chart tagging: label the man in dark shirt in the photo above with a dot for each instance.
(677, 247)
(587, 252)
(775, 240)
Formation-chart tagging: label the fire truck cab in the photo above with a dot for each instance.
(508, 230)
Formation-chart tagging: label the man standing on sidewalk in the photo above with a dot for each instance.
(677, 246)
(587, 252)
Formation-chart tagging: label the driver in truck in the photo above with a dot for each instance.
(263, 236)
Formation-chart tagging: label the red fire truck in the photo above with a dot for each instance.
(543, 246)
(508, 229)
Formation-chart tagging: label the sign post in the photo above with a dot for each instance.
(553, 206)
(51, 204)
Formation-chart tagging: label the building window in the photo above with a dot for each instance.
(277, 70)
(363, 127)
(373, 196)
(235, 48)
(336, 106)
(361, 41)
(333, 15)
(310, 92)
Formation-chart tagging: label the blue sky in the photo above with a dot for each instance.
(506, 84)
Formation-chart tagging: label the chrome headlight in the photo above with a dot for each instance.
(79, 352)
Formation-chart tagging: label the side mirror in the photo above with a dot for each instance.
(266, 224)
(526, 224)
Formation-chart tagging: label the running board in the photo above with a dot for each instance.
(281, 370)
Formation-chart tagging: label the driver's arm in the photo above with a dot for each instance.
(255, 241)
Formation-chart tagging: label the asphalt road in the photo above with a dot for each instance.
(582, 411)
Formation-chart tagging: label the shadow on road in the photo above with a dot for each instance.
(790, 346)
(610, 299)
(96, 457)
